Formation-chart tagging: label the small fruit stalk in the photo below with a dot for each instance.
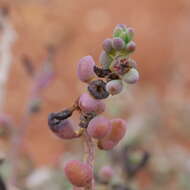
(116, 68)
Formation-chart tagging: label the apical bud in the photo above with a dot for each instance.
(89, 104)
(117, 32)
(119, 29)
(79, 174)
(125, 37)
(114, 87)
(122, 26)
(99, 127)
(85, 69)
(107, 45)
(131, 77)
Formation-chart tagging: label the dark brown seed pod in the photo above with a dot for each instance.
(52, 120)
(63, 114)
(97, 89)
(85, 118)
(64, 130)
(120, 65)
(112, 76)
(56, 117)
(101, 72)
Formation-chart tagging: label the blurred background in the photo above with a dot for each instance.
(48, 38)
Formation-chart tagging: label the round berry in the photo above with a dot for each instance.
(89, 104)
(131, 77)
(99, 127)
(118, 44)
(79, 174)
(106, 173)
(105, 60)
(118, 130)
(131, 46)
(114, 87)
(107, 45)
(85, 70)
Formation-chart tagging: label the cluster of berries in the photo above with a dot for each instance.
(116, 68)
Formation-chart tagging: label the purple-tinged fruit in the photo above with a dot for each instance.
(105, 60)
(89, 104)
(85, 70)
(114, 87)
(131, 46)
(107, 45)
(63, 129)
(79, 174)
(99, 127)
(118, 44)
(131, 77)
(118, 130)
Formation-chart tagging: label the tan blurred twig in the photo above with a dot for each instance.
(40, 81)
(7, 39)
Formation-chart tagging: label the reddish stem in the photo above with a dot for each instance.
(89, 149)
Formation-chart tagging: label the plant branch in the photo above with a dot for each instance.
(89, 149)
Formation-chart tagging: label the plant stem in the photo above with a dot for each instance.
(89, 150)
